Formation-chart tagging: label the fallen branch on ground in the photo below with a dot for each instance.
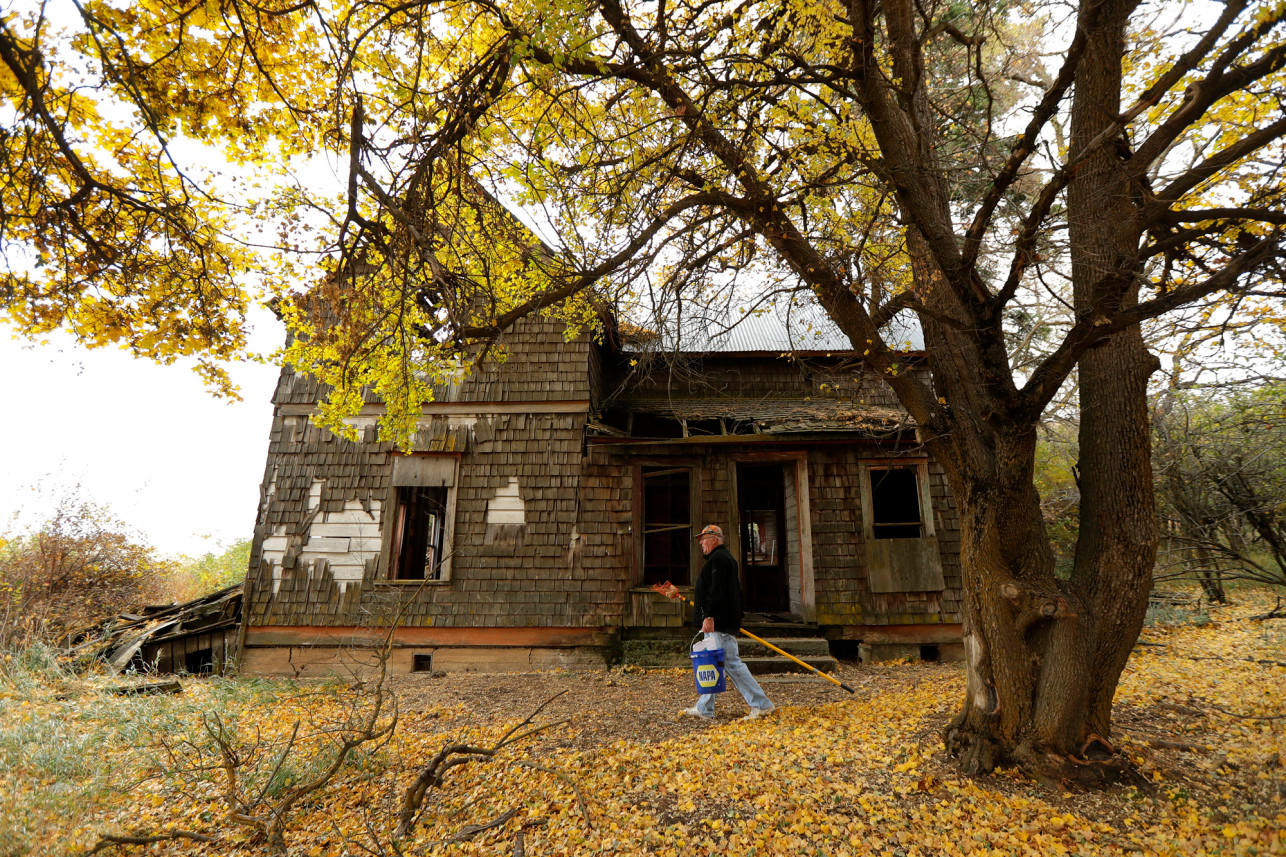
(112, 840)
(474, 829)
(1278, 612)
(519, 848)
(1241, 716)
(1262, 661)
(1165, 743)
(460, 754)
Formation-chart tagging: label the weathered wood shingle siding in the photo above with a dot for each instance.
(756, 386)
(532, 582)
(536, 581)
(839, 553)
(538, 364)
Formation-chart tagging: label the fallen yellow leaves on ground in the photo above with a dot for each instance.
(1199, 710)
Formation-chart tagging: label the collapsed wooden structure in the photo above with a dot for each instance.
(197, 637)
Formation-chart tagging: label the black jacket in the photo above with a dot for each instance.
(718, 591)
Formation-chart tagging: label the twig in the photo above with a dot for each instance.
(519, 849)
(474, 829)
(1248, 716)
(1264, 661)
(1181, 709)
(1278, 612)
(110, 840)
(1166, 743)
(580, 798)
(433, 774)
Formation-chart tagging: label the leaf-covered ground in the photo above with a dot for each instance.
(1200, 711)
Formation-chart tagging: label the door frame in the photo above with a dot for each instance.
(799, 526)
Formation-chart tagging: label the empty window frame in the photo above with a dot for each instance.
(667, 525)
(895, 504)
(419, 523)
(419, 533)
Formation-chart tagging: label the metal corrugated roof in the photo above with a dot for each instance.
(773, 329)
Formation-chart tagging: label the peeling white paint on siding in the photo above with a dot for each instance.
(314, 494)
(273, 551)
(507, 506)
(345, 539)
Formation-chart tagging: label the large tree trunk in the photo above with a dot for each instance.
(1045, 655)
(1029, 636)
(1118, 534)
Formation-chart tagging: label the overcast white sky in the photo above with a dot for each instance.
(171, 460)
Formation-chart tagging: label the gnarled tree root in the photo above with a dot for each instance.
(977, 752)
(1095, 766)
(1074, 771)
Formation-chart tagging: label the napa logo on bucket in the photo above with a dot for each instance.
(707, 675)
(707, 671)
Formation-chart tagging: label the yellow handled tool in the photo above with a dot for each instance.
(670, 591)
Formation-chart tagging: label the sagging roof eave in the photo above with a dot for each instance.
(904, 438)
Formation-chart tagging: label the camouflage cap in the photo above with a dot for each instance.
(712, 530)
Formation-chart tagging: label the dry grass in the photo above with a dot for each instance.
(1199, 712)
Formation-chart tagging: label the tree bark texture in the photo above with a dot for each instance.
(1118, 535)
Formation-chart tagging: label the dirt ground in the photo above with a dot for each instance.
(633, 704)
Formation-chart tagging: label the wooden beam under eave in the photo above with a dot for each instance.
(810, 439)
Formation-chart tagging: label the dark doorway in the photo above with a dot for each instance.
(761, 501)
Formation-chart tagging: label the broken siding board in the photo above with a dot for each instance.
(326, 545)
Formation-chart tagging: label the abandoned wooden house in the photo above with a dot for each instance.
(545, 495)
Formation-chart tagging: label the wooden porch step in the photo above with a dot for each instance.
(778, 665)
(800, 647)
(671, 653)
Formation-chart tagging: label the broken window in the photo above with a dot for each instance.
(895, 501)
(667, 525)
(898, 527)
(419, 533)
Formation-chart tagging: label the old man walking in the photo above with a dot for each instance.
(718, 610)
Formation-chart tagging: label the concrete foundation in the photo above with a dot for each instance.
(312, 661)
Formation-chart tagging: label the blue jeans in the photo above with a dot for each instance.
(738, 673)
